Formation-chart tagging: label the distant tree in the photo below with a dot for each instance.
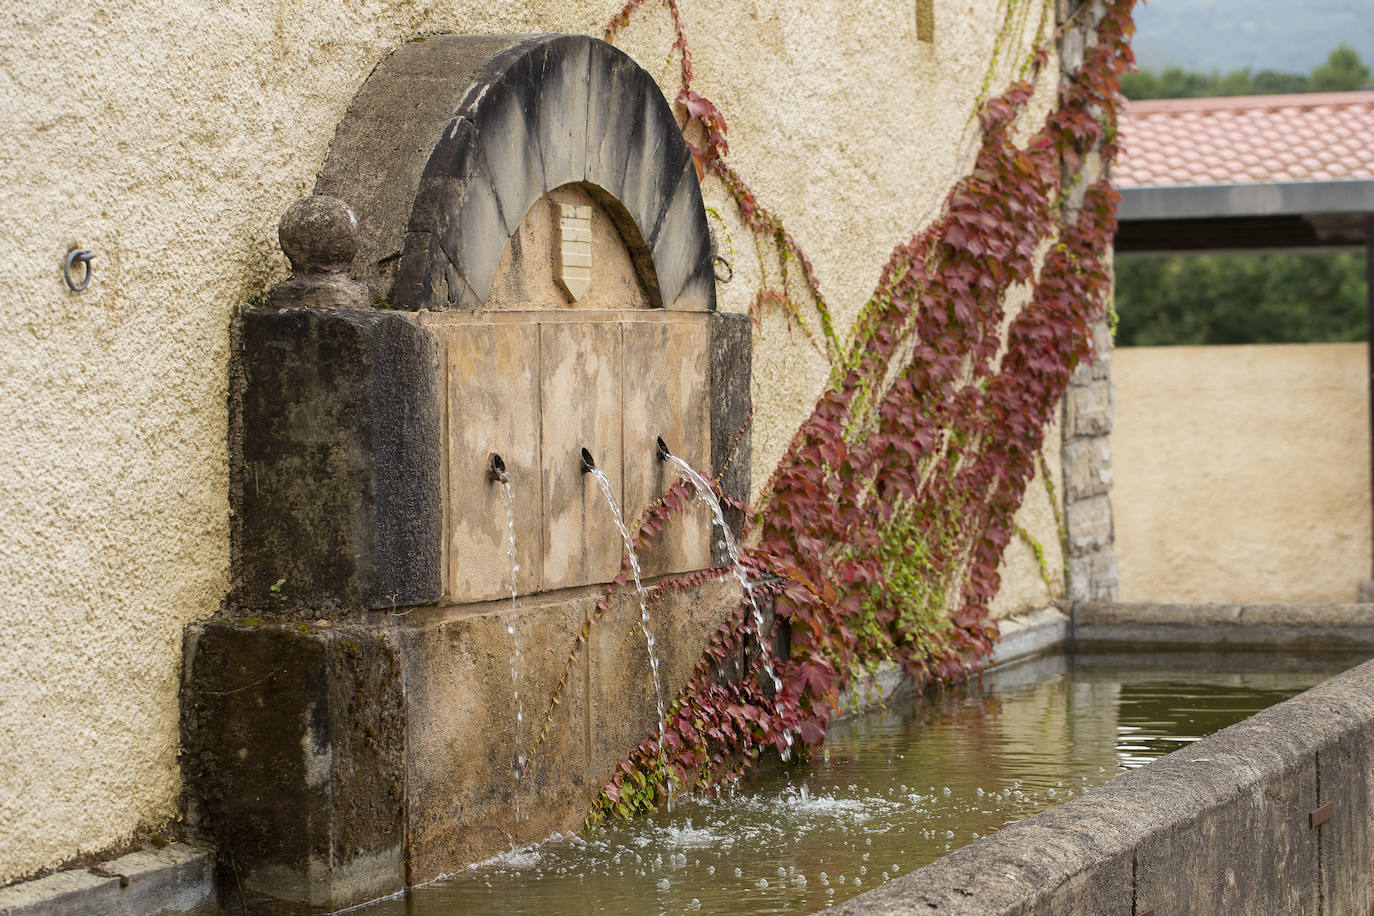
(1233, 299)
(1272, 82)
(1343, 70)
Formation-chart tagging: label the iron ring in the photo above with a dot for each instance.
(84, 256)
(728, 266)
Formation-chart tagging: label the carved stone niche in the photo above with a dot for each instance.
(533, 278)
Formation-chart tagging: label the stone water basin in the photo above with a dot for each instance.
(892, 790)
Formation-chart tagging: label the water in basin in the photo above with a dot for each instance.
(891, 791)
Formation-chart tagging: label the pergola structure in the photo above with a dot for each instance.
(1250, 173)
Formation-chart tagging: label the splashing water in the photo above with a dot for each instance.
(705, 494)
(643, 603)
(518, 766)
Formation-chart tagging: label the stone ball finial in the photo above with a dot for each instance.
(320, 237)
(319, 234)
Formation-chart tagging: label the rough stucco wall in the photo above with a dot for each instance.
(1241, 473)
(170, 139)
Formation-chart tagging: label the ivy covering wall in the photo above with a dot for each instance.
(878, 536)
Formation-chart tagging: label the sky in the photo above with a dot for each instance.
(1286, 35)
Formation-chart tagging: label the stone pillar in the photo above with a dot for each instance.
(1089, 548)
(1087, 424)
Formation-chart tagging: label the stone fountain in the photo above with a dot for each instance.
(529, 275)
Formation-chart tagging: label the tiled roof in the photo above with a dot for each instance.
(1247, 139)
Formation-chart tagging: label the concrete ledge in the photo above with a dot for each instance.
(1220, 826)
(1295, 625)
(174, 879)
(1030, 634)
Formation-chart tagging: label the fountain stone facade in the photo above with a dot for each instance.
(529, 274)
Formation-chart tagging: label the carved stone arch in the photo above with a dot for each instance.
(453, 138)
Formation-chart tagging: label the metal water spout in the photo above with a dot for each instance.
(588, 462)
(496, 469)
(662, 448)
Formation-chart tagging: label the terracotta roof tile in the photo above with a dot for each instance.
(1244, 139)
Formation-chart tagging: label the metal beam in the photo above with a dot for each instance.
(1210, 201)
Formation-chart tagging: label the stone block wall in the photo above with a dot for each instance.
(1090, 542)
(1089, 534)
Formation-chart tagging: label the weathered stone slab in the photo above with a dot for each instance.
(1030, 633)
(294, 743)
(561, 112)
(1316, 625)
(508, 132)
(580, 408)
(1253, 852)
(731, 413)
(398, 118)
(335, 463)
(1100, 365)
(613, 88)
(666, 370)
(624, 709)
(1088, 409)
(682, 244)
(464, 803)
(1094, 576)
(1087, 467)
(1110, 613)
(1345, 779)
(1089, 523)
(491, 388)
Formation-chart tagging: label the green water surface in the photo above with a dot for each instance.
(890, 791)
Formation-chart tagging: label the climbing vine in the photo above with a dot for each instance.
(879, 534)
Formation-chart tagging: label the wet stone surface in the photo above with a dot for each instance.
(891, 792)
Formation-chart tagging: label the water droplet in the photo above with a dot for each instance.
(738, 873)
(762, 882)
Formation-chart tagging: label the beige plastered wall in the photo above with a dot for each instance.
(169, 138)
(1241, 473)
